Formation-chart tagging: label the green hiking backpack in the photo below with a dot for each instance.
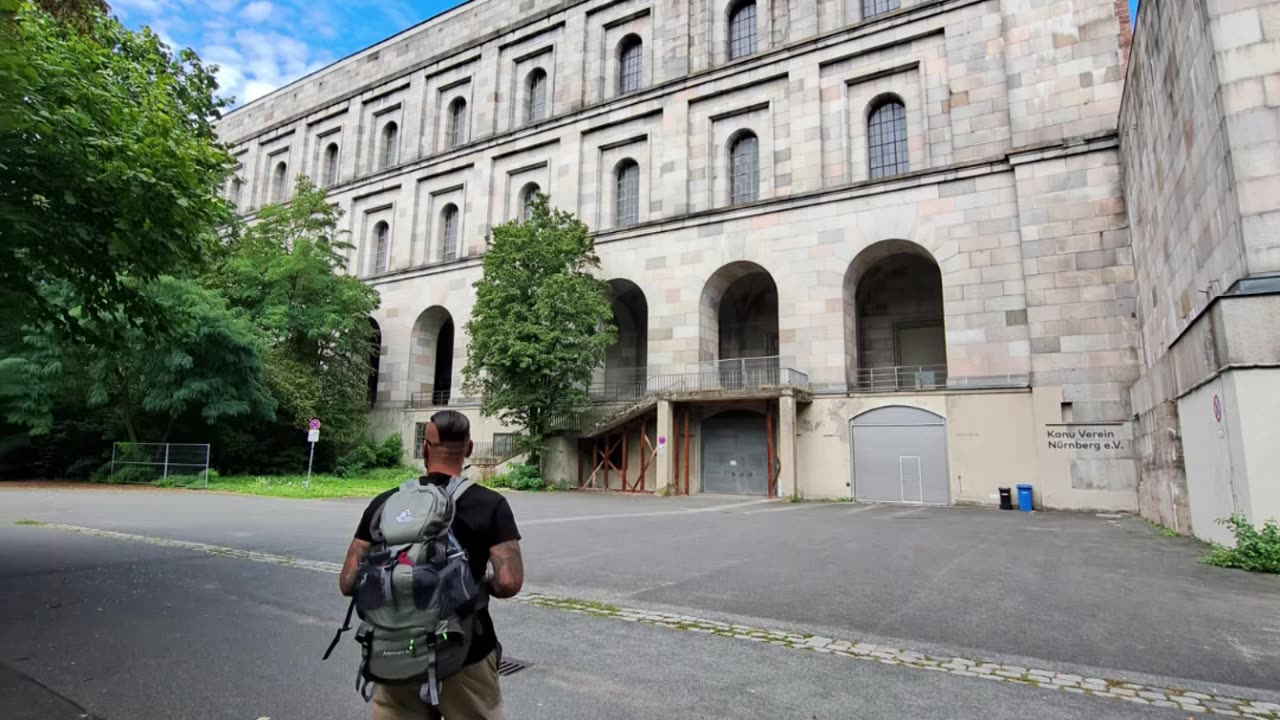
(415, 593)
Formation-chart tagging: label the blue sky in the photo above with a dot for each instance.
(263, 44)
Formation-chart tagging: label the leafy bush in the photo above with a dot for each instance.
(367, 455)
(1256, 550)
(390, 451)
(520, 476)
(126, 474)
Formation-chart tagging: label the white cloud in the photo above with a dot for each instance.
(260, 45)
(259, 11)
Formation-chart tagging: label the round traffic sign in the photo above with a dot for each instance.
(314, 424)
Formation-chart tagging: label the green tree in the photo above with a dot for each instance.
(207, 363)
(541, 323)
(287, 271)
(111, 167)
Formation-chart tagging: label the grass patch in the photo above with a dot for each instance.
(600, 606)
(522, 477)
(30, 523)
(590, 606)
(366, 483)
(1165, 531)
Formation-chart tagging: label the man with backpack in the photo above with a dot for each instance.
(424, 561)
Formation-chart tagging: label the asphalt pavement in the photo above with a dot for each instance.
(120, 630)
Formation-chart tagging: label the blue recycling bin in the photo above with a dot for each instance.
(1025, 498)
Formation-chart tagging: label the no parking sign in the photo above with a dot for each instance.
(313, 437)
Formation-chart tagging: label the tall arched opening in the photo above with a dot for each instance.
(626, 362)
(895, 335)
(431, 358)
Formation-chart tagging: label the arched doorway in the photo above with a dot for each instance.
(900, 456)
(895, 337)
(625, 364)
(739, 313)
(431, 358)
(740, 323)
(735, 454)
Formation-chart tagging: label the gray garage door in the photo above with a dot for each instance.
(900, 455)
(734, 454)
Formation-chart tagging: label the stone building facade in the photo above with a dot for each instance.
(1200, 141)
(862, 247)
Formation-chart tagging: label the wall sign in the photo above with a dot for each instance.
(1085, 436)
(1217, 408)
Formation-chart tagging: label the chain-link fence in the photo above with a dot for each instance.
(160, 464)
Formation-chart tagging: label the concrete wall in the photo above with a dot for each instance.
(1227, 429)
(1258, 417)
(994, 439)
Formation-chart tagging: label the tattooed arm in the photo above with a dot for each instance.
(347, 578)
(506, 569)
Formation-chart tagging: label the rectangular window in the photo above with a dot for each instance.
(871, 8)
(631, 61)
(504, 444)
(742, 31)
(744, 170)
(887, 140)
(419, 437)
(628, 194)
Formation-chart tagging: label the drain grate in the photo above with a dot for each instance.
(511, 666)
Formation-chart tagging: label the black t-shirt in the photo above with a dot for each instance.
(481, 520)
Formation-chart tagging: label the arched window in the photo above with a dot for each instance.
(887, 138)
(279, 180)
(381, 247)
(331, 165)
(630, 64)
(744, 168)
(390, 146)
(528, 194)
(742, 29)
(871, 8)
(627, 199)
(457, 134)
(449, 232)
(535, 105)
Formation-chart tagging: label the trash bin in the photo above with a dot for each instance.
(1006, 499)
(1025, 498)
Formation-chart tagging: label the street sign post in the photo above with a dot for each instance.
(313, 437)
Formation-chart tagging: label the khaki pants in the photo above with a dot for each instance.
(472, 694)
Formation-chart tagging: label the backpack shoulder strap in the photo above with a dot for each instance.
(457, 487)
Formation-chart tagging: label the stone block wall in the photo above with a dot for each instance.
(1012, 188)
(1064, 61)
(1200, 145)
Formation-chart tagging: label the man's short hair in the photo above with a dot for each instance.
(451, 426)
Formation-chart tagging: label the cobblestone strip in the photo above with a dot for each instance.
(1174, 698)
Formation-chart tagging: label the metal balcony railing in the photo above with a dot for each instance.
(492, 454)
(732, 374)
(900, 378)
(620, 385)
(435, 398)
(620, 390)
